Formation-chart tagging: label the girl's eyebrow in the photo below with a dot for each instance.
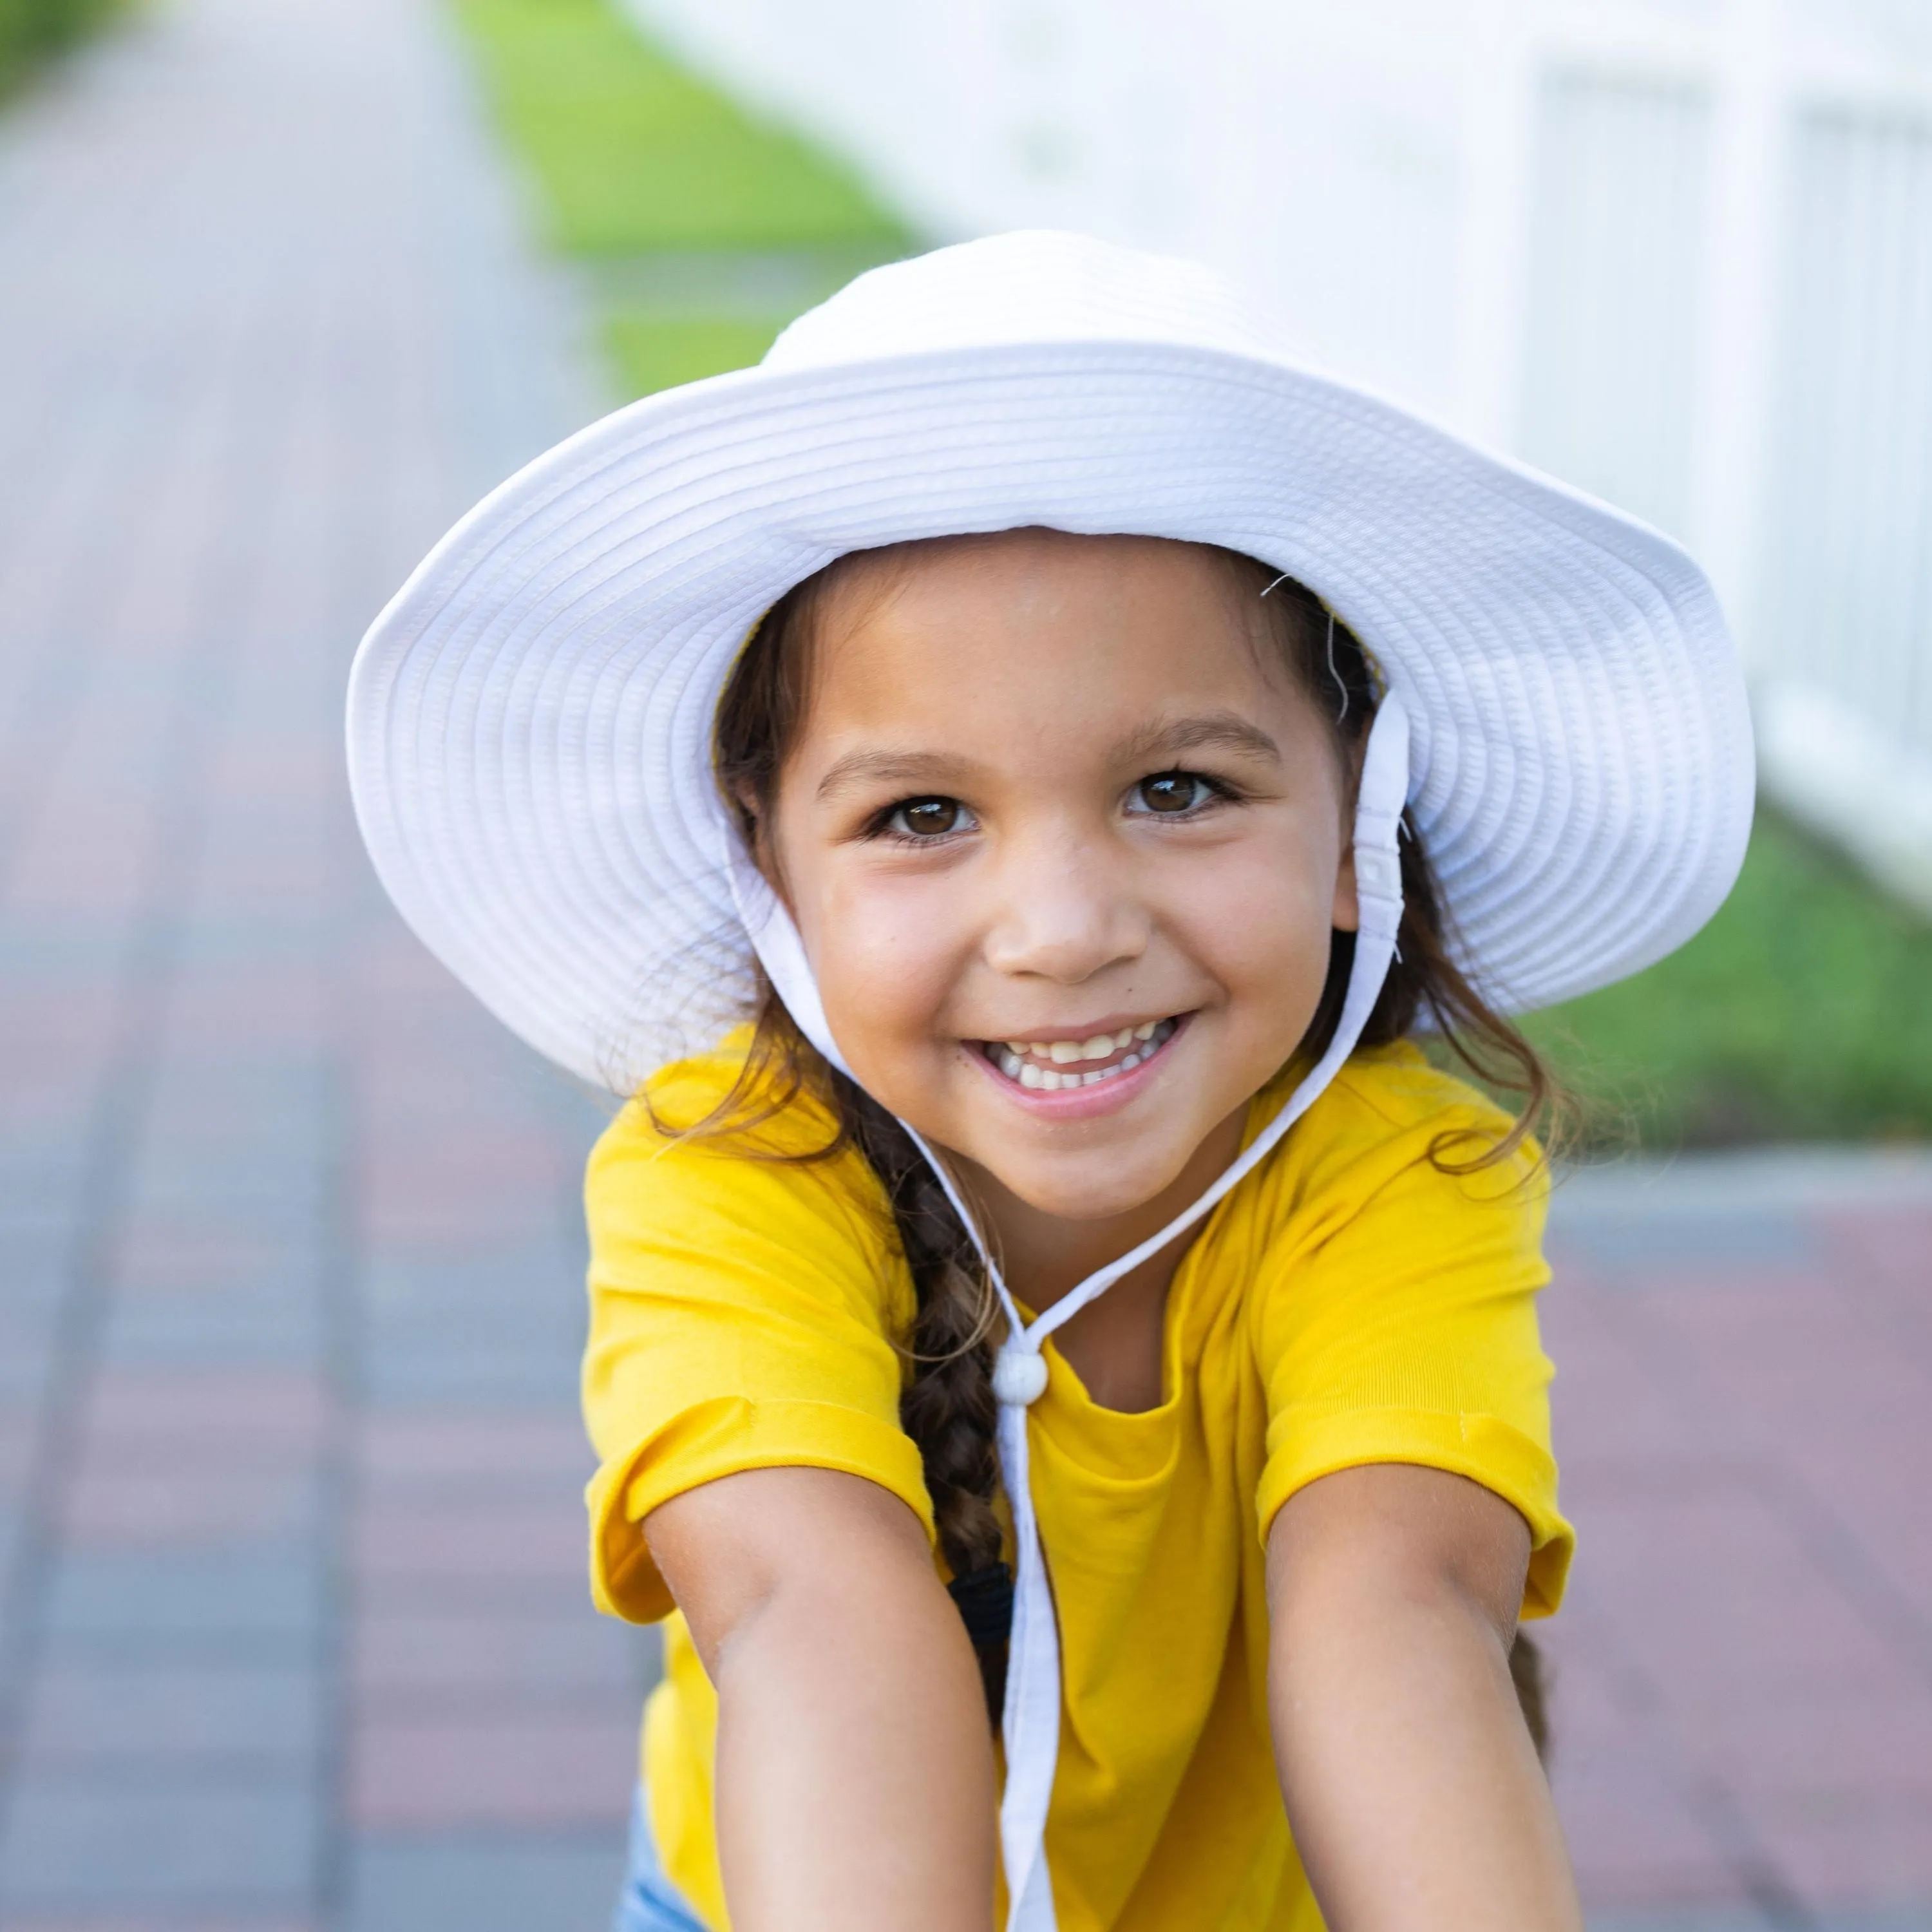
(1213, 730)
(920, 768)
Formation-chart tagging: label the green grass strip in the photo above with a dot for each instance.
(1802, 1012)
(657, 352)
(633, 154)
(33, 32)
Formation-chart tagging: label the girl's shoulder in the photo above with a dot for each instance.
(1401, 1087)
(715, 1140)
(1391, 1115)
(723, 1099)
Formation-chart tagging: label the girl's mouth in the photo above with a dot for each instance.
(1059, 1065)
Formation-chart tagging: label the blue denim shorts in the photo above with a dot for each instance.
(651, 1903)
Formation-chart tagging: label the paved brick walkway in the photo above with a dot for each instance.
(1743, 1409)
(292, 1631)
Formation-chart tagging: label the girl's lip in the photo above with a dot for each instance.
(1082, 1103)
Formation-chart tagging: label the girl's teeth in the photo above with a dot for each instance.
(1019, 1060)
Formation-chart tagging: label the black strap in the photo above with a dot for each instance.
(985, 1600)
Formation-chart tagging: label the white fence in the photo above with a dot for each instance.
(1677, 251)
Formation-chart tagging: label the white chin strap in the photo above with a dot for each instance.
(1031, 1720)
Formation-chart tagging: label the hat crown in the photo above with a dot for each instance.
(532, 720)
(1032, 286)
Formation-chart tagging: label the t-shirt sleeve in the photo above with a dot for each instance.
(1404, 1331)
(742, 1313)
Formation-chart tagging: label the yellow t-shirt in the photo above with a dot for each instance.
(1348, 1303)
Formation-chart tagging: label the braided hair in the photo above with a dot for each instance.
(948, 1407)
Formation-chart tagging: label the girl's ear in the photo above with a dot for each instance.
(757, 826)
(751, 821)
(1346, 915)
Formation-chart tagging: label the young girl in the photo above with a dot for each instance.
(1007, 785)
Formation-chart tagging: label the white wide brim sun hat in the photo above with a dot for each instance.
(530, 720)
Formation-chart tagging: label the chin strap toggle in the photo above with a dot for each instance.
(1019, 1376)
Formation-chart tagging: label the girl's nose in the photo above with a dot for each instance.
(1065, 914)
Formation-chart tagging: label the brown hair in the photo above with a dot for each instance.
(948, 1407)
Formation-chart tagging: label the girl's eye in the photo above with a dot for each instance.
(928, 817)
(1171, 792)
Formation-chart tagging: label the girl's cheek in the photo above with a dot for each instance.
(887, 960)
(1261, 925)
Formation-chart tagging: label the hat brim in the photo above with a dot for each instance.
(530, 719)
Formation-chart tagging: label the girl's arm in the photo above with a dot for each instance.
(1415, 1793)
(855, 1785)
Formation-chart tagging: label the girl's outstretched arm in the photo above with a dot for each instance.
(855, 1786)
(1413, 1791)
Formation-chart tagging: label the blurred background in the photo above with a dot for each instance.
(293, 1632)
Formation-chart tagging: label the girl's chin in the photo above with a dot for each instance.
(1098, 1175)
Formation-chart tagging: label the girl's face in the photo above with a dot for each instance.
(1065, 843)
